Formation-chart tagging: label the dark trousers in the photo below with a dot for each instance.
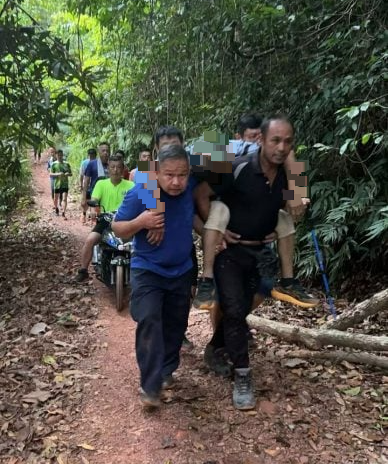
(160, 306)
(236, 278)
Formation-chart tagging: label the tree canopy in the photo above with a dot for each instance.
(118, 70)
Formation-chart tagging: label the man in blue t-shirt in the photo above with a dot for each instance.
(95, 170)
(92, 155)
(160, 274)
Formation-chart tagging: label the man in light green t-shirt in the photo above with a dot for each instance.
(110, 193)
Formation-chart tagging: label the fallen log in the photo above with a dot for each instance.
(316, 339)
(352, 317)
(339, 355)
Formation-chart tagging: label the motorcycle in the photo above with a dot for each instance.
(111, 258)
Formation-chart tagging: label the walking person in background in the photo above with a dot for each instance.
(95, 170)
(92, 155)
(144, 155)
(61, 171)
(51, 158)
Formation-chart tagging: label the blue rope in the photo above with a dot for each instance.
(325, 280)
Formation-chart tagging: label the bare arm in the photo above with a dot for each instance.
(198, 224)
(202, 194)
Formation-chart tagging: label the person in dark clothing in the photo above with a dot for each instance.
(254, 201)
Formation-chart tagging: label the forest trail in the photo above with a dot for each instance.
(306, 412)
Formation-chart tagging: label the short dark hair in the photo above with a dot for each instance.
(116, 157)
(120, 152)
(172, 152)
(277, 117)
(249, 121)
(59, 152)
(104, 143)
(168, 131)
(92, 152)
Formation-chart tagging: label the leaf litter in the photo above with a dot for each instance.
(307, 412)
(40, 344)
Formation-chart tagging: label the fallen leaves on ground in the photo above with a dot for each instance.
(42, 342)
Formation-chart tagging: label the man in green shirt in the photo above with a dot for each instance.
(110, 193)
(60, 171)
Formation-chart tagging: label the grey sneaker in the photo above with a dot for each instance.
(243, 397)
(149, 401)
(217, 361)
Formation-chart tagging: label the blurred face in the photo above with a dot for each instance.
(251, 135)
(145, 156)
(60, 156)
(104, 152)
(116, 170)
(173, 176)
(52, 152)
(166, 140)
(278, 142)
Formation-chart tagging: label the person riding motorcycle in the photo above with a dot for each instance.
(109, 193)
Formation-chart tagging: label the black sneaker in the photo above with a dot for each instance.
(149, 401)
(217, 361)
(82, 275)
(205, 296)
(295, 294)
(243, 396)
(168, 382)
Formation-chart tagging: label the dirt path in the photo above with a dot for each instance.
(306, 413)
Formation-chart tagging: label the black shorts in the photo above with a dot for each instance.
(101, 226)
(61, 190)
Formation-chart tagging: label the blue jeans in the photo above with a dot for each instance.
(160, 306)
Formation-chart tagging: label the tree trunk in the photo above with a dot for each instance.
(316, 339)
(339, 355)
(352, 317)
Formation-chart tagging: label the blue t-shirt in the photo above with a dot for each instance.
(92, 172)
(83, 166)
(172, 258)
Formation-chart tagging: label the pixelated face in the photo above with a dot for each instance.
(145, 156)
(278, 142)
(104, 152)
(251, 135)
(60, 156)
(116, 170)
(173, 176)
(166, 140)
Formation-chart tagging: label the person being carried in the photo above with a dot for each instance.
(216, 216)
(109, 193)
(160, 274)
(60, 171)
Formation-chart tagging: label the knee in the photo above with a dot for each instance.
(218, 217)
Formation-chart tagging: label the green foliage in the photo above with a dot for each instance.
(30, 108)
(200, 64)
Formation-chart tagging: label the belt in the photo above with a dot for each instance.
(250, 242)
